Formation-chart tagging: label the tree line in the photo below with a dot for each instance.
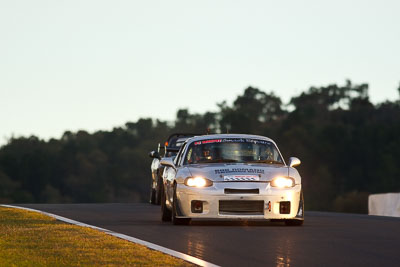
(348, 147)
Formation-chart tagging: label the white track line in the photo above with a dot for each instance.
(171, 252)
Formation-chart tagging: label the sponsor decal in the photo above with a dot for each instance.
(207, 142)
(228, 178)
(236, 170)
(233, 140)
(245, 140)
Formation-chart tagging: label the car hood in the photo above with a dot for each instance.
(238, 171)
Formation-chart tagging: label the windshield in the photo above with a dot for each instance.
(241, 150)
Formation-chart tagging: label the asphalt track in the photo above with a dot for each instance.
(326, 239)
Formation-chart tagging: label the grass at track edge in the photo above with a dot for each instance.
(33, 239)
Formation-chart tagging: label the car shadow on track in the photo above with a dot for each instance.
(236, 223)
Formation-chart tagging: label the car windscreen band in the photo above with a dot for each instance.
(232, 140)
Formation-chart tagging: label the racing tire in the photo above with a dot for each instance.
(152, 196)
(157, 198)
(175, 220)
(297, 222)
(165, 212)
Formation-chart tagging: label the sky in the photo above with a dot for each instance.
(94, 65)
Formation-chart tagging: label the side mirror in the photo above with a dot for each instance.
(168, 162)
(154, 155)
(293, 162)
(160, 147)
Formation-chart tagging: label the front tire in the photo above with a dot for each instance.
(175, 220)
(165, 212)
(298, 222)
(157, 198)
(152, 196)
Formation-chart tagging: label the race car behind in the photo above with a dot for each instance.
(170, 148)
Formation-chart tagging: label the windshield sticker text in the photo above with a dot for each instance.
(233, 140)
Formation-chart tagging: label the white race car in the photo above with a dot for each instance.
(231, 176)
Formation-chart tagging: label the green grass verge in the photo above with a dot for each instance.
(32, 239)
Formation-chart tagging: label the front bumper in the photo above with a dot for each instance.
(219, 203)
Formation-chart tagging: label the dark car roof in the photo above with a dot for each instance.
(175, 135)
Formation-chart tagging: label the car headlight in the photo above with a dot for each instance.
(198, 182)
(282, 182)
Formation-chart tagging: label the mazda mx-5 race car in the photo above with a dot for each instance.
(231, 176)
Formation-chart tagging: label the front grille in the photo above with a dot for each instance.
(241, 191)
(244, 207)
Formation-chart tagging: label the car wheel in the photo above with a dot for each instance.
(175, 220)
(165, 212)
(152, 196)
(158, 191)
(297, 222)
